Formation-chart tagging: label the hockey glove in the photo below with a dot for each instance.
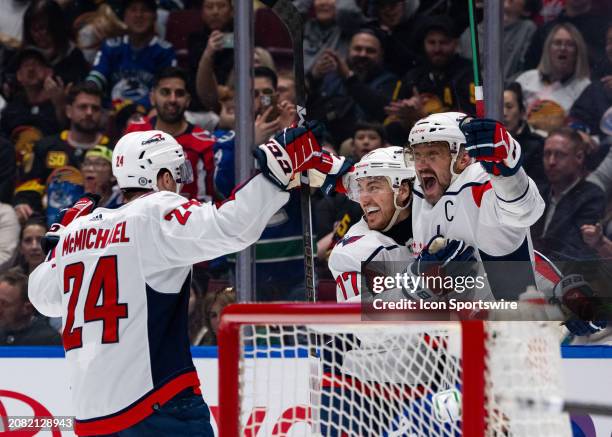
(291, 151)
(488, 142)
(326, 173)
(442, 258)
(83, 206)
(581, 327)
(577, 298)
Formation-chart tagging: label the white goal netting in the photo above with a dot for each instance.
(391, 379)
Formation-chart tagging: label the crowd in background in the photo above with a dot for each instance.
(75, 75)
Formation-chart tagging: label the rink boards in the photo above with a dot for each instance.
(36, 379)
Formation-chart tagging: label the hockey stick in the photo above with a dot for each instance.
(291, 18)
(478, 92)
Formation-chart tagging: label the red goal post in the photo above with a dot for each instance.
(475, 408)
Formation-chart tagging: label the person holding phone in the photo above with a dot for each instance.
(212, 50)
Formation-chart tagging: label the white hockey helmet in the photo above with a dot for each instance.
(443, 126)
(387, 162)
(139, 156)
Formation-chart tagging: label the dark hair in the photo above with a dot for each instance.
(52, 13)
(151, 4)
(86, 87)
(517, 89)
(16, 279)
(571, 135)
(367, 125)
(375, 32)
(268, 73)
(171, 73)
(33, 220)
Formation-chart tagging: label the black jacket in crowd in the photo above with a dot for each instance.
(583, 205)
(37, 333)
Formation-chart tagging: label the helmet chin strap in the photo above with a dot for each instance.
(398, 209)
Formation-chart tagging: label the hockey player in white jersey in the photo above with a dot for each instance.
(120, 280)
(381, 183)
(365, 375)
(471, 188)
(472, 191)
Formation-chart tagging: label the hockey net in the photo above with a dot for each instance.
(318, 369)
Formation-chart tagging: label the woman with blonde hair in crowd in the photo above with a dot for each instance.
(563, 73)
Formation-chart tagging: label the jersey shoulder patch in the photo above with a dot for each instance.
(348, 239)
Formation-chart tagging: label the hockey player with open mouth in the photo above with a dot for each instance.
(471, 188)
(473, 195)
(382, 185)
(120, 280)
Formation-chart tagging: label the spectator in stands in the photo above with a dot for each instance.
(126, 66)
(597, 97)
(531, 143)
(213, 303)
(45, 29)
(344, 91)
(517, 34)
(571, 201)
(271, 115)
(30, 253)
(214, 44)
(562, 75)
(98, 177)
(35, 101)
(66, 148)
(170, 98)
(397, 20)
(330, 28)
(578, 13)
(441, 82)
(9, 236)
(19, 324)
(367, 137)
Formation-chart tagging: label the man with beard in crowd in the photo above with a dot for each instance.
(67, 148)
(346, 91)
(170, 98)
(441, 82)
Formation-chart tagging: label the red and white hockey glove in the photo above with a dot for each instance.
(295, 150)
(83, 206)
(581, 304)
(490, 143)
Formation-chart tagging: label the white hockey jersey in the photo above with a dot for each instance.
(120, 280)
(361, 245)
(471, 211)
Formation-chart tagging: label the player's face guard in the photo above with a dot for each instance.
(184, 173)
(372, 186)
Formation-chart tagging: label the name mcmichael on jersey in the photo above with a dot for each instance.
(94, 238)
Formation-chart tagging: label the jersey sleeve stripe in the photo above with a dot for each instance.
(518, 198)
